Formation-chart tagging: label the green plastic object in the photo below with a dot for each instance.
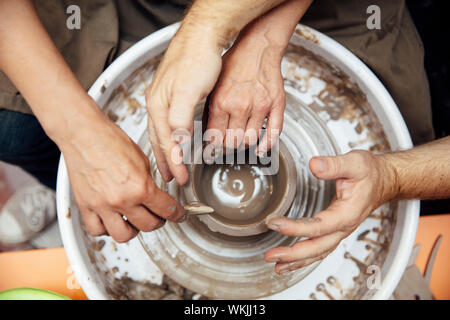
(31, 294)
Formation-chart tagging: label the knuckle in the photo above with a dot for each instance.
(172, 215)
(279, 104)
(361, 156)
(166, 147)
(179, 89)
(139, 191)
(154, 226)
(263, 107)
(122, 237)
(148, 227)
(281, 97)
(363, 162)
(336, 165)
(220, 105)
(151, 190)
(242, 109)
(217, 98)
(117, 200)
(179, 121)
(350, 224)
(93, 230)
(96, 203)
(313, 225)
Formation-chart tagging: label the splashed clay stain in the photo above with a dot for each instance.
(127, 288)
(340, 99)
(133, 105)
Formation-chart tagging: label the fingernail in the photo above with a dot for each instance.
(276, 257)
(161, 224)
(274, 225)
(172, 208)
(321, 165)
(167, 177)
(284, 268)
(260, 154)
(183, 216)
(291, 266)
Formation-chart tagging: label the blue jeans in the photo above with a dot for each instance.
(24, 143)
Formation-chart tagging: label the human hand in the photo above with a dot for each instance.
(186, 75)
(250, 88)
(111, 180)
(363, 183)
(192, 64)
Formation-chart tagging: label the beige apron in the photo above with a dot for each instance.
(86, 50)
(395, 52)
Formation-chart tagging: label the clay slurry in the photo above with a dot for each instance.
(237, 192)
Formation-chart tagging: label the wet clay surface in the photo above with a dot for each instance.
(236, 192)
(243, 195)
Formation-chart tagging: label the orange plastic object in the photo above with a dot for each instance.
(430, 227)
(46, 269)
(49, 269)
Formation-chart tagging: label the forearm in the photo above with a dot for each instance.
(32, 62)
(422, 172)
(277, 25)
(221, 21)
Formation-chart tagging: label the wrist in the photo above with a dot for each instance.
(389, 177)
(270, 32)
(73, 121)
(256, 44)
(204, 34)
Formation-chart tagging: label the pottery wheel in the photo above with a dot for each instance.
(223, 266)
(332, 108)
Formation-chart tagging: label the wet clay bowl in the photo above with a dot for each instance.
(334, 104)
(244, 196)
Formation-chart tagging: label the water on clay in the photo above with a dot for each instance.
(237, 192)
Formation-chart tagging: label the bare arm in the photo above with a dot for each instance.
(221, 21)
(109, 174)
(422, 172)
(278, 24)
(32, 62)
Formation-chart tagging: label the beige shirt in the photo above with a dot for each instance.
(108, 27)
(99, 40)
